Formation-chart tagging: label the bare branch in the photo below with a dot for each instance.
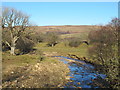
(15, 22)
(7, 43)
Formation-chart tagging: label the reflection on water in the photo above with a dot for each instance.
(83, 75)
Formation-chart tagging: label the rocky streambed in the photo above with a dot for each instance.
(83, 75)
(55, 75)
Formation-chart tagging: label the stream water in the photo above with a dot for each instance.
(81, 76)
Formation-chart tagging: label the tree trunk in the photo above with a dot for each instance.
(13, 46)
(12, 50)
(52, 45)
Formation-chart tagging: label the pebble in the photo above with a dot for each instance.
(68, 77)
(22, 85)
(59, 85)
(12, 72)
(15, 80)
(54, 64)
(36, 66)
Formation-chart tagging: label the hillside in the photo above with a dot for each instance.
(66, 28)
(67, 31)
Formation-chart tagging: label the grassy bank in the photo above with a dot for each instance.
(25, 71)
(19, 60)
(64, 50)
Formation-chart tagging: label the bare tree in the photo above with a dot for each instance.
(105, 44)
(52, 38)
(16, 23)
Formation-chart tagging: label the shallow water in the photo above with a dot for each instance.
(83, 75)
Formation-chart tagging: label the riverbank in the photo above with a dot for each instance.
(49, 73)
(23, 70)
(84, 75)
(97, 65)
(80, 52)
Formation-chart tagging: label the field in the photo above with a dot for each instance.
(42, 55)
(22, 70)
(61, 49)
(67, 31)
(69, 28)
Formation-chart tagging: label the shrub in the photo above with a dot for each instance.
(25, 45)
(74, 42)
(52, 38)
(5, 38)
(105, 50)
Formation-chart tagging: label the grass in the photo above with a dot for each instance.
(72, 28)
(64, 50)
(45, 74)
(50, 72)
(61, 49)
(52, 69)
(82, 35)
(20, 60)
(82, 32)
(50, 60)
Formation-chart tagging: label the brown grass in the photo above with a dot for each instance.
(70, 28)
(41, 75)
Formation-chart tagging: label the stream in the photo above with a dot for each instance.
(81, 75)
